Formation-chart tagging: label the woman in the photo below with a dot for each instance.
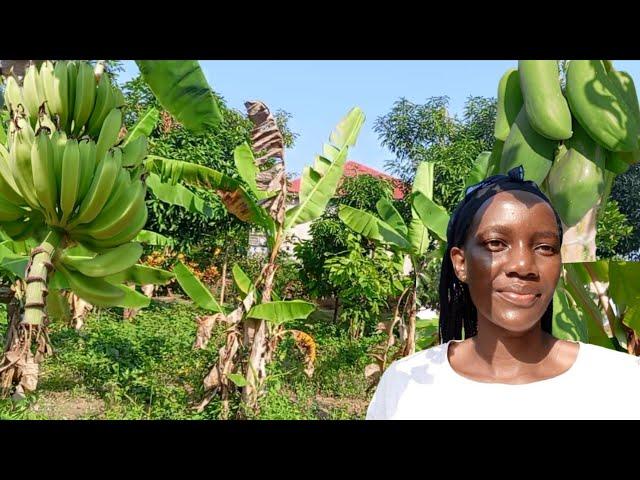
(498, 278)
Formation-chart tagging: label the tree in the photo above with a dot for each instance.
(426, 132)
(626, 191)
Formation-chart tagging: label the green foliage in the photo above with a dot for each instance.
(365, 283)
(329, 235)
(149, 370)
(426, 132)
(626, 191)
(363, 192)
(612, 229)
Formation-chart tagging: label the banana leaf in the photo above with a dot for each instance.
(178, 195)
(567, 323)
(371, 227)
(281, 312)
(242, 281)
(423, 182)
(390, 215)
(246, 166)
(478, 170)
(432, 215)
(142, 275)
(132, 298)
(199, 293)
(234, 197)
(182, 89)
(153, 238)
(319, 183)
(13, 262)
(144, 126)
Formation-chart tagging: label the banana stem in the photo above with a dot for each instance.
(36, 278)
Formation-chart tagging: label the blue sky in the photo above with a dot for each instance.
(319, 92)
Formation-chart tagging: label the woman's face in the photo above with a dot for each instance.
(511, 260)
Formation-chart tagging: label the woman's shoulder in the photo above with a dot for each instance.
(420, 363)
(599, 356)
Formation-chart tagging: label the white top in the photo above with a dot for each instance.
(601, 384)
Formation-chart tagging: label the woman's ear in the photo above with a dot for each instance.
(459, 266)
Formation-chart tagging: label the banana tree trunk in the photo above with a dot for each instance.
(579, 242)
(258, 339)
(410, 344)
(223, 280)
(20, 364)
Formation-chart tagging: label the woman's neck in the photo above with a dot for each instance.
(505, 353)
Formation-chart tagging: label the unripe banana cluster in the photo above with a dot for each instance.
(67, 167)
(567, 140)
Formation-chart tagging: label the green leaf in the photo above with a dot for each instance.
(238, 379)
(12, 262)
(153, 238)
(372, 227)
(58, 282)
(624, 283)
(245, 164)
(57, 306)
(178, 195)
(590, 312)
(242, 281)
(132, 298)
(144, 126)
(205, 177)
(319, 183)
(182, 89)
(567, 323)
(422, 182)
(632, 318)
(390, 215)
(478, 170)
(142, 275)
(282, 312)
(199, 293)
(432, 215)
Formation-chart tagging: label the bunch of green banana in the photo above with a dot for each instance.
(67, 169)
(68, 93)
(567, 139)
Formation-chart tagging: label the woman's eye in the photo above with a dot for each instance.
(494, 244)
(548, 249)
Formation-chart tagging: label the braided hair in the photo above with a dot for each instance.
(457, 311)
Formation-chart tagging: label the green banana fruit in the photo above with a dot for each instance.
(103, 181)
(20, 161)
(88, 165)
(104, 104)
(70, 179)
(85, 96)
(96, 291)
(547, 109)
(134, 152)
(108, 263)
(31, 93)
(44, 176)
(576, 179)
(524, 146)
(8, 185)
(126, 235)
(109, 132)
(600, 106)
(72, 79)
(509, 103)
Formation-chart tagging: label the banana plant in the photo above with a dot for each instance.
(71, 183)
(260, 318)
(573, 140)
(389, 229)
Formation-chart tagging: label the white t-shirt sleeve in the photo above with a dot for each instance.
(379, 403)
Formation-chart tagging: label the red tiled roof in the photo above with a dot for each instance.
(353, 169)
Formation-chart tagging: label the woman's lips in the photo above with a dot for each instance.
(521, 300)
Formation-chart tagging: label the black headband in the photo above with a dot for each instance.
(479, 193)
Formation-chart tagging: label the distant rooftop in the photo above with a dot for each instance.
(353, 169)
